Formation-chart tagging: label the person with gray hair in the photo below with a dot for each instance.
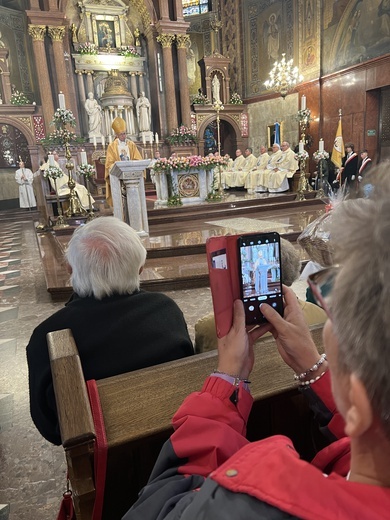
(205, 333)
(117, 327)
(219, 474)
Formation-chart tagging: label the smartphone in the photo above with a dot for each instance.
(260, 274)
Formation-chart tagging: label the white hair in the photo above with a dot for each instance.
(106, 256)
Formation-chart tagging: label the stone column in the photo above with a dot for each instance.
(166, 41)
(90, 82)
(182, 41)
(141, 82)
(37, 33)
(57, 36)
(5, 75)
(164, 10)
(133, 85)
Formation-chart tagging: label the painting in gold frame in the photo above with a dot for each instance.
(106, 31)
(271, 129)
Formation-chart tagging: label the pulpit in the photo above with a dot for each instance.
(128, 194)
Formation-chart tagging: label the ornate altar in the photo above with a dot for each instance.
(192, 186)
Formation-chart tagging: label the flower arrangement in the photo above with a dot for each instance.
(320, 155)
(53, 172)
(304, 115)
(301, 156)
(59, 137)
(63, 116)
(87, 48)
(235, 99)
(87, 170)
(200, 99)
(128, 51)
(186, 163)
(212, 161)
(18, 98)
(182, 136)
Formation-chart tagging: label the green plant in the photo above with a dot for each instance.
(182, 135)
(18, 98)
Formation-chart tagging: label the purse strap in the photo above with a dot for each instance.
(100, 456)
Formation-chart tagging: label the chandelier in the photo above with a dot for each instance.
(284, 76)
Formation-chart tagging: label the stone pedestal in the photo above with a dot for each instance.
(128, 194)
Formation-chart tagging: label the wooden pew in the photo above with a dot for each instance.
(138, 407)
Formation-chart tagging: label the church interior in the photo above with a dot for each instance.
(189, 78)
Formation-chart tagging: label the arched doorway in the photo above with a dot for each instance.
(13, 144)
(228, 138)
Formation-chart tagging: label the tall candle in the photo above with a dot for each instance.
(321, 145)
(303, 102)
(94, 141)
(300, 146)
(110, 138)
(51, 159)
(61, 100)
(143, 139)
(103, 142)
(83, 157)
(156, 138)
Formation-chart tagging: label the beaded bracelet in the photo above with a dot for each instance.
(314, 368)
(237, 379)
(306, 384)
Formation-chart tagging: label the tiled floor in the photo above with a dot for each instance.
(32, 470)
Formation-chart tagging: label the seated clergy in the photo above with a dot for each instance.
(205, 333)
(121, 149)
(227, 176)
(284, 169)
(240, 175)
(263, 175)
(253, 175)
(62, 183)
(117, 327)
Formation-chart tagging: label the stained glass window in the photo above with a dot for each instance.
(191, 7)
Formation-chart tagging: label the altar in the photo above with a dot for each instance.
(190, 186)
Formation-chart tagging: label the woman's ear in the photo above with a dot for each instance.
(359, 417)
(141, 269)
(68, 268)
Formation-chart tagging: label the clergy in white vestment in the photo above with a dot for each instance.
(249, 163)
(227, 176)
(264, 175)
(284, 169)
(253, 176)
(24, 177)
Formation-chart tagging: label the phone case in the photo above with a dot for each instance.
(224, 283)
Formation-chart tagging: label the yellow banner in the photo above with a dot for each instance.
(338, 151)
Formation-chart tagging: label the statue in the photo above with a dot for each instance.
(215, 84)
(73, 30)
(143, 113)
(137, 40)
(94, 111)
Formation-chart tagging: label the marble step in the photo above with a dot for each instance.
(4, 511)
(10, 274)
(9, 290)
(8, 313)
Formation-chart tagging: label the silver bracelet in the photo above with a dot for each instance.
(237, 379)
(314, 368)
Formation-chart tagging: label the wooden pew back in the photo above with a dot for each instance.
(138, 408)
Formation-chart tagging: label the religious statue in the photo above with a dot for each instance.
(137, 40)
(73, 30)
(2, 44)
(143, 113)
(94, 111)
(216, 86)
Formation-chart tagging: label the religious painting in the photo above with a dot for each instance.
(106, 31)
(106, 34)
(356, 32)
(268, 33)
(188, 185)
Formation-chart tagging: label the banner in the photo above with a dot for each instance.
(277, 133)
(338, 151)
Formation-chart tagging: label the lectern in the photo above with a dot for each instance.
(128, 194)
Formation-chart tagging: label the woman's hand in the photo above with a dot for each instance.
(235, 350)
(292, 334)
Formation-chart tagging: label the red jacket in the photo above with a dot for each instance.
(261, 480)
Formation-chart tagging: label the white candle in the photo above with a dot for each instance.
(156, 138)
(61, 100)
(300, 146)
(103, 142)
(94, 141)
(51, 159)
(303, 102)
(321, 145)
(143, 139)
(110, 139)
(83, 157)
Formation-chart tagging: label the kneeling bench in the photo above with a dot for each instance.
(137, 408)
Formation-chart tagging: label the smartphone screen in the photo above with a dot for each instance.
(260, 280)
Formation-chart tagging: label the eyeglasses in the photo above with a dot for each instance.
(321, 284)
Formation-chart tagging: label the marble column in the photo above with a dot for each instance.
(164, 10)
(90, 82)
(166, 41)
(141, 82)
(182, 42)
(37, 33)
(5, 75)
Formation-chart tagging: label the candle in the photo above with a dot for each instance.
(94, 141)
(143, 139)
(103, 142)
(156, 138)
(51, 160)
(61, 100)
(300, 146)
(83, 157)
(321, 145)
(303, 102)
(110, 138)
